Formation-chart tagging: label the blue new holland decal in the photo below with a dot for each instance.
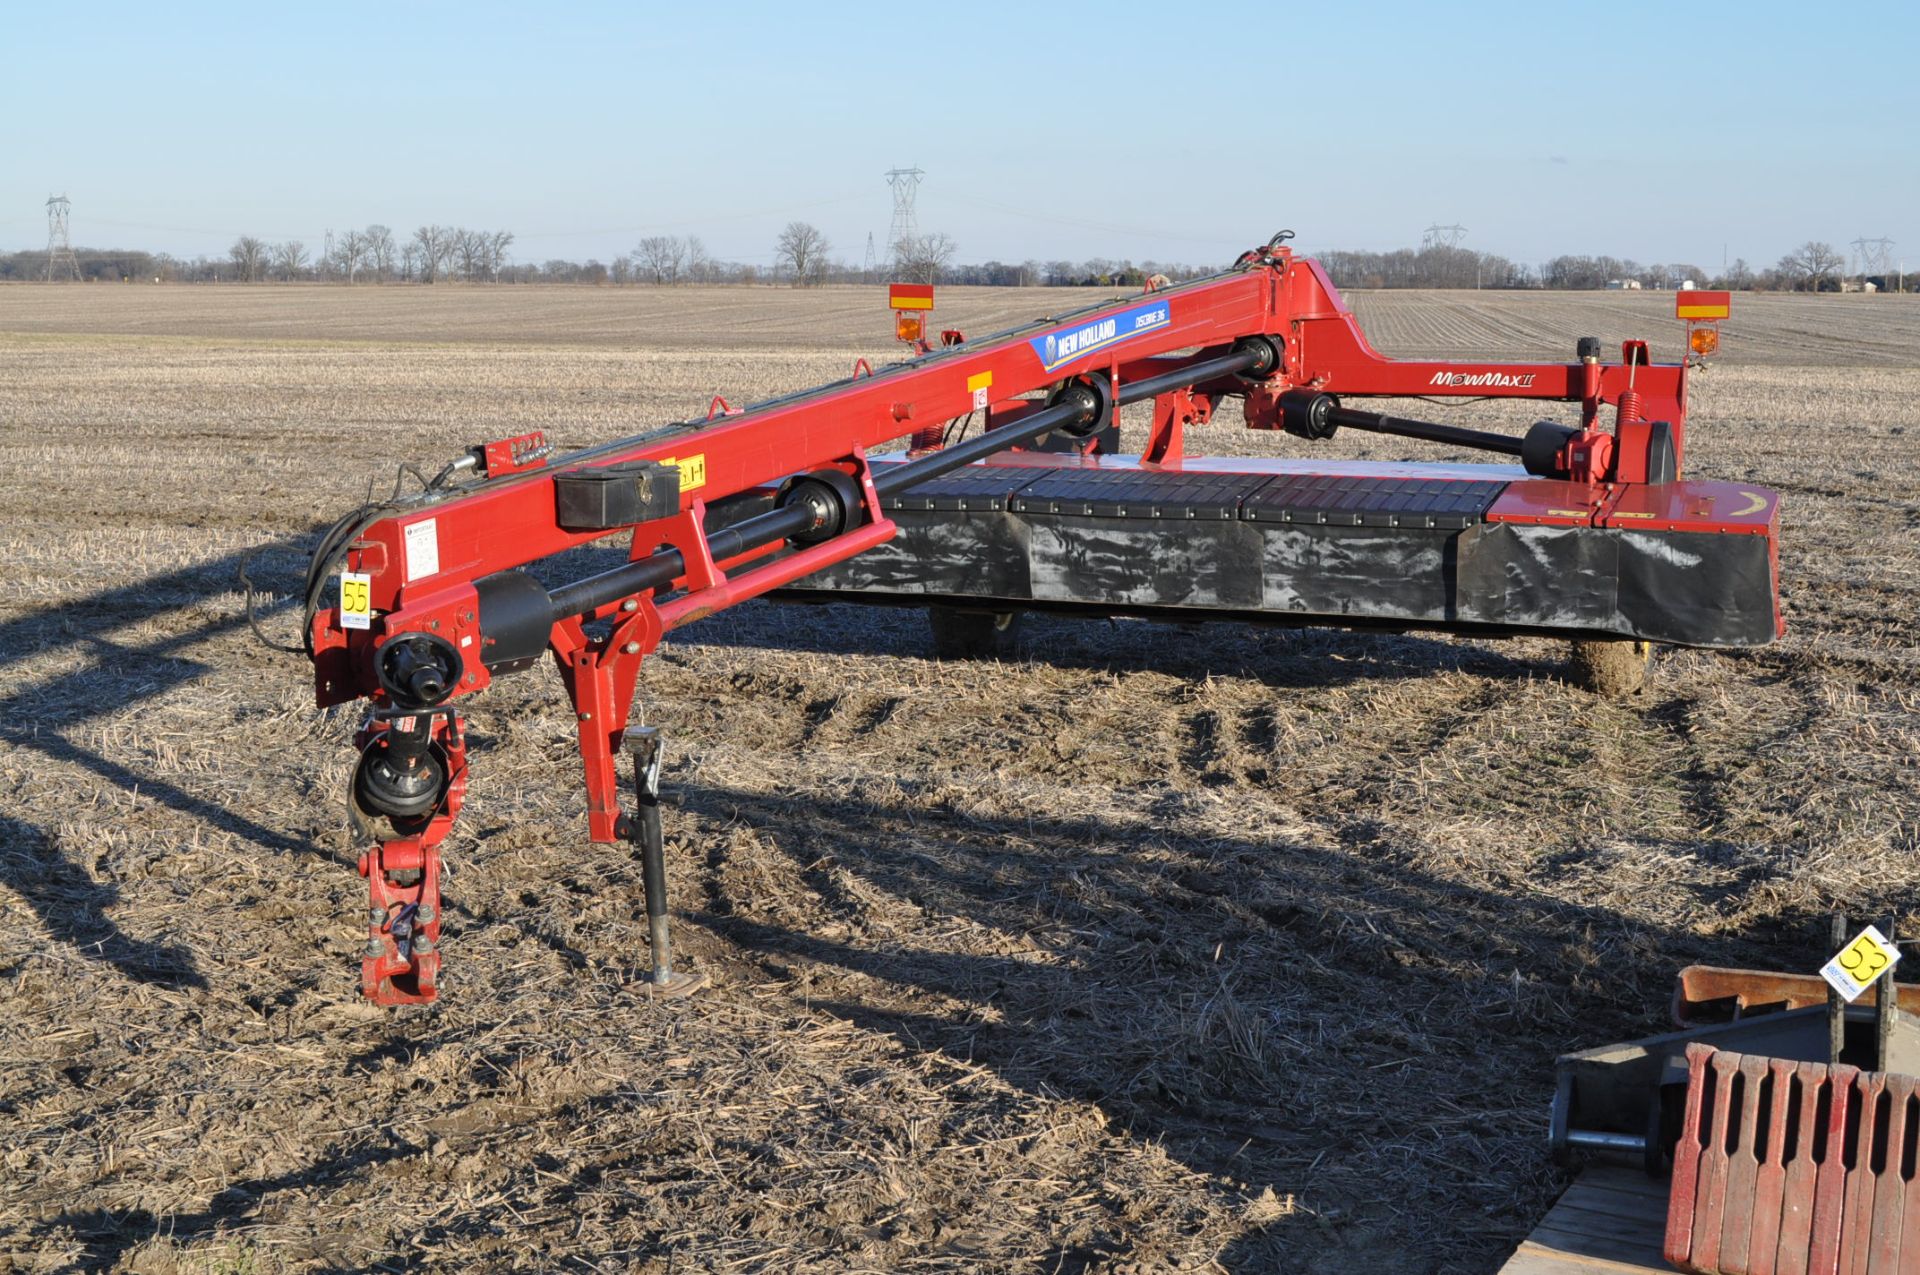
(1058, 348)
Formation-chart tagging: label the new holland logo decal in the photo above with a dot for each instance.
(1059, 348)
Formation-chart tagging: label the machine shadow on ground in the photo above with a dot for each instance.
(1218, 996)
(41, 718)
(45, 717)
(1279, 656)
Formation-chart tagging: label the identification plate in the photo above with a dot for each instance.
(356, 601)
(1861, 963)
(423, 549)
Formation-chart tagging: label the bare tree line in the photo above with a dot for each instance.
(803, 256)
(1812, 267)
(432, 253)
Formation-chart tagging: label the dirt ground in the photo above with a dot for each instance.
(1153, 949)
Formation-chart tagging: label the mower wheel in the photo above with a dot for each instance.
(973, 635)
(1610, 667)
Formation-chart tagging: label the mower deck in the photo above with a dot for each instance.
(1478, 548)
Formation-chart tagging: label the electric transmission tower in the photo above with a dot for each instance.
(59, 247)
(1443, 236)
(1875, 257)
(867, 267)
(904, 182)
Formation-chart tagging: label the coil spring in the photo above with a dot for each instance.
(1630, 406)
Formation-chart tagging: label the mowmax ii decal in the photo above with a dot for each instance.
(1059, 348)
(1496, 380)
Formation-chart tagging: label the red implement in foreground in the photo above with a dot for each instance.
(1794, 1167)
(416, 603)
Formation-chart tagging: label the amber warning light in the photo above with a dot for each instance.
(911, 302)
(1702, 312)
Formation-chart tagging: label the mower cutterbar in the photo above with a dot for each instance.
(417, 602)
(1586, 535)
(1467, 548)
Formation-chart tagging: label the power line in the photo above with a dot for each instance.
(1083, 223)
(905, 184)
(59, 246)
(1874, 255)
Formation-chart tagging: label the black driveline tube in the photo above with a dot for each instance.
(1379, 423)
(516, 625)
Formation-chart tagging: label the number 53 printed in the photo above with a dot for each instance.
(1860, 963)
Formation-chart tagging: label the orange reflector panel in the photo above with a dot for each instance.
(910, 296)
(909, 327)
(1702, 305)
(1704, 340)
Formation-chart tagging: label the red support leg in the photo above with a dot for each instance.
(402, 964)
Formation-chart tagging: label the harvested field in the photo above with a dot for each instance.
(1154, 949)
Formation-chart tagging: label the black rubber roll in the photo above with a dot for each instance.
(1543, 442)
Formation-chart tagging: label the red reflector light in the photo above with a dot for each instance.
(1702, 305)
(910, 296)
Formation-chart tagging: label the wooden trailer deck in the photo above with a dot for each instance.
(1611, 1221)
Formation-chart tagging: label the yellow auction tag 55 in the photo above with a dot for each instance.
(356, 601)
(1861, 963)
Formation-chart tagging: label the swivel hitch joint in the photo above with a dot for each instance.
(1093, 396)
(1267, 357)
(831, 498)
(419, 670)
(1308, 415)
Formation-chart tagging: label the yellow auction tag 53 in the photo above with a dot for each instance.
(356, 601)
(1861, 963)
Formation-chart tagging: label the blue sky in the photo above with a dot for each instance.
(1046, 129)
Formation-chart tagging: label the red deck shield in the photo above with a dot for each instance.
(1787, 1168)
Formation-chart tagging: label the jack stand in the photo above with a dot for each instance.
(1836, 1004)
(1886, 1006)
(644, 742)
